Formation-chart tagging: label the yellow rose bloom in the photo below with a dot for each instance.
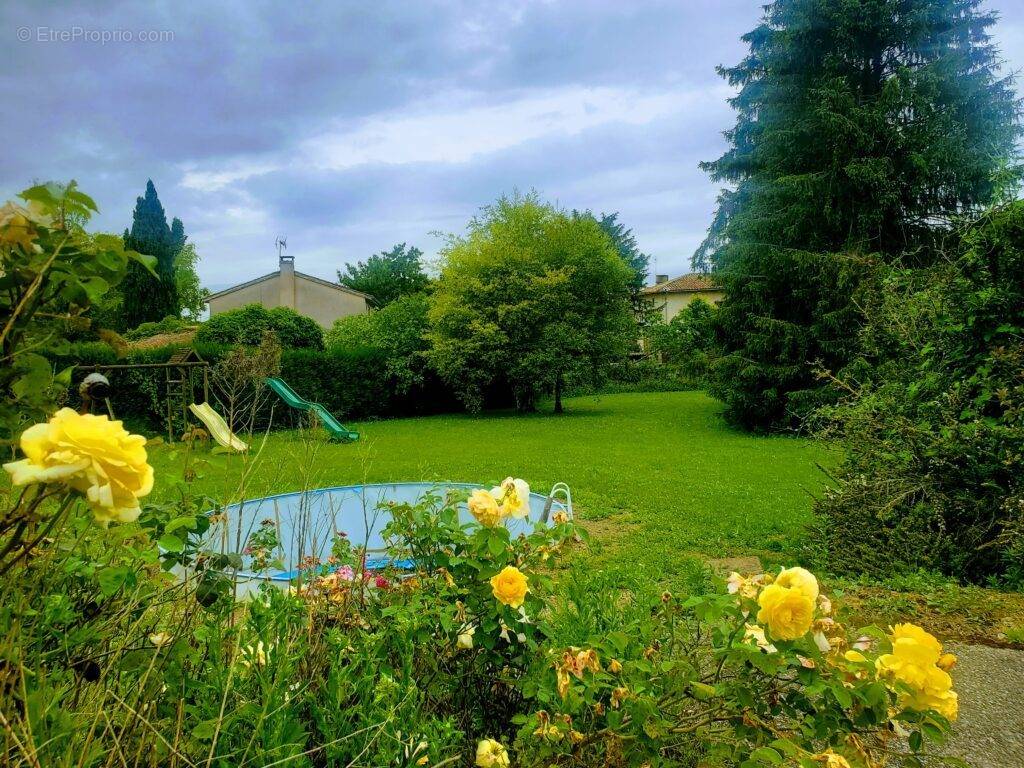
(801, 579)
(787, 612)
(514, 496)
(915, 662)
(491, 754)
(92, 455)
(509, 586)
(484, 507)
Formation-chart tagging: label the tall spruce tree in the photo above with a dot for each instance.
(864, 128)
(148, 298)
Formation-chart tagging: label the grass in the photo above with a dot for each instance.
(656, 477)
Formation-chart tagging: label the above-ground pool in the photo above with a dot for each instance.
(308, 522)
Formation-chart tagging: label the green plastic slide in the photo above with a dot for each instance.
(334, 427)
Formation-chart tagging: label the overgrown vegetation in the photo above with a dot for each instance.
(932, 416)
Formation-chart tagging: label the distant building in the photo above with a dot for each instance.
(669, 297)
(321, 300)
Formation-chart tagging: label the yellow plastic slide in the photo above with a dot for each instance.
(217, 427)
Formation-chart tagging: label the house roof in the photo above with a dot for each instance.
(690, 283)
(303, 275)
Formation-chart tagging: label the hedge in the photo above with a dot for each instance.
(352, 384)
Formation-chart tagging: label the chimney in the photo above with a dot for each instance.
(659, 279)
(287, 282)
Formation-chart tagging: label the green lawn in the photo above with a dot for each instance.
(658, 476)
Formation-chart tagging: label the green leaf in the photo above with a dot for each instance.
(766, 756)
(112, 579)
(170, 543)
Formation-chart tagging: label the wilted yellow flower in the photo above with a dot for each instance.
(484, 507)
(159, 639)
(509, 586)
(947, 661)
(92, 455)
(560, 517)
(800, 579)
(614, 666)
(752, 632)
(914, 661)
(491, 754)
(514, 497)
(788, 612)
(831, 760)
(16, 226)
(465, 639)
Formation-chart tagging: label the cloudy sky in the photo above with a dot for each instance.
(350, 126)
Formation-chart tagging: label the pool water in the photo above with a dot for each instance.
(308, 522)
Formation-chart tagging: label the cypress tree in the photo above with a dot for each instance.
(148, 298)
(864, 128)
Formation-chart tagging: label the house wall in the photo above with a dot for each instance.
(324, 304)
(320, 302)
(671, 304)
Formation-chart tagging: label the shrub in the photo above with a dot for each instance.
(933, 421)
(246, 325)
(397, 330)
(169, 324)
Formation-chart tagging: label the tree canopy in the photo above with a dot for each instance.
(387, 275)
(863, 128)
(531, 299)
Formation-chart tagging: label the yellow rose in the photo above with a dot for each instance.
(509, 586)
(491, 754)
(801, 579)
(947, 661)
(92, 455)
(915, 661)
(787, 612)
(514, 496)
(484, 507)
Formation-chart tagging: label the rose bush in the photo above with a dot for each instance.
(764, 674)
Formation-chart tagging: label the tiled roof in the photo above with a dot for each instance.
(685, 284)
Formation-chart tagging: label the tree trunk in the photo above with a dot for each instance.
(558, 394)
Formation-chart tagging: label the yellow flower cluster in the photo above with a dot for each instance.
(510, 499)
(917, 661)
(92, 455)
(491, 754)
(509, 586)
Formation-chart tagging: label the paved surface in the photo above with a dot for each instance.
(990, 730)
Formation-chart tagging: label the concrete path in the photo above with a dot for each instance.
(990, 730)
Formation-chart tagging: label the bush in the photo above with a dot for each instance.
(933, 418)
(169, 324)
(398, 331)
(246, 325)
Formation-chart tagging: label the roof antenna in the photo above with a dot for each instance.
(281, 243)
